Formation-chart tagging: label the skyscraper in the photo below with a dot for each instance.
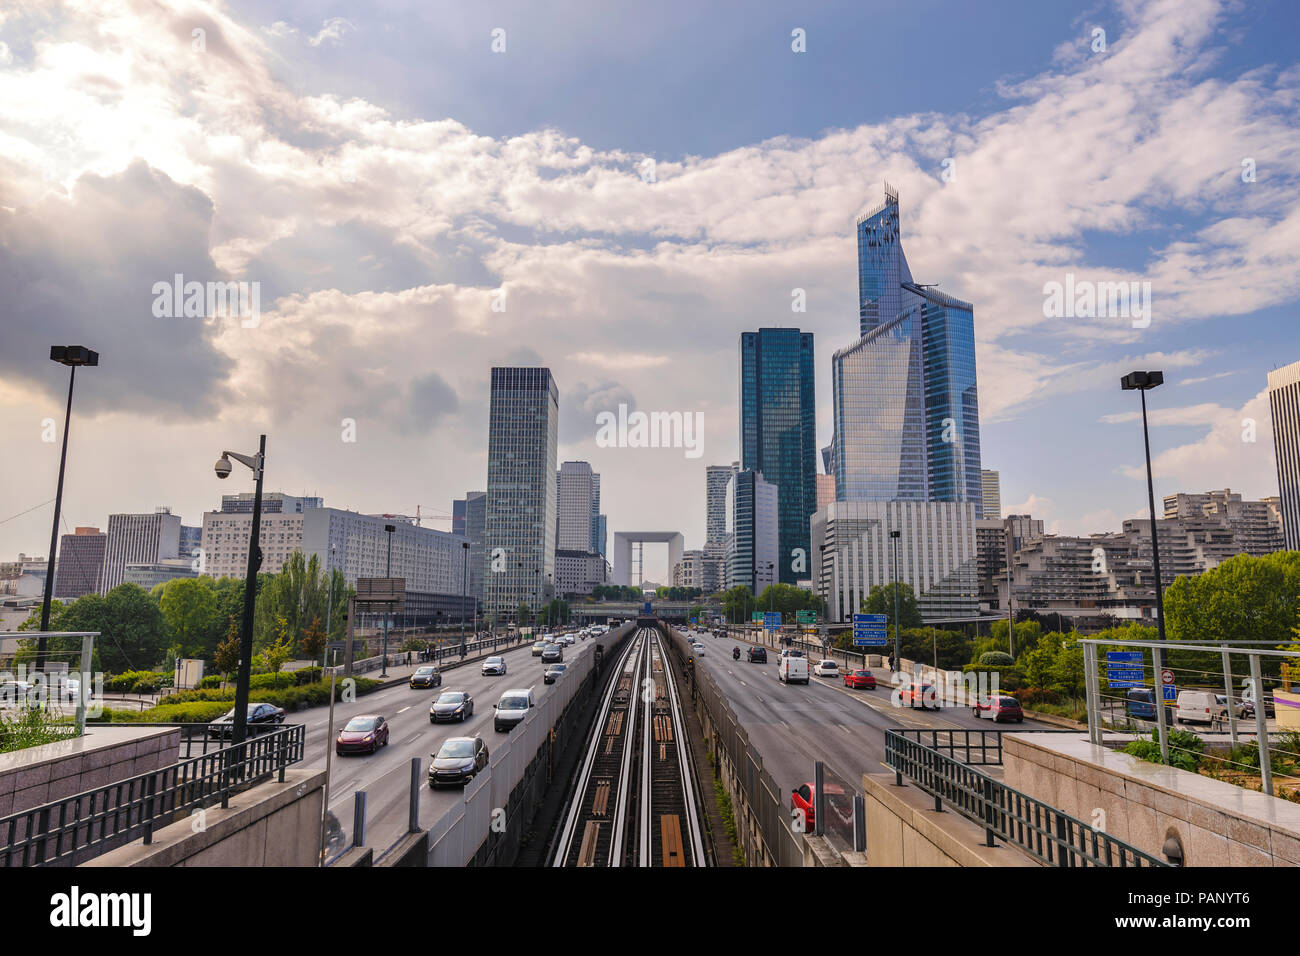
(1284, 404)
(81, 563)
(778, 433)
(475, 529)
(138, 539)
(523, 429)
(906, 406)
(715, 502)
(991, 490)
(577, 494)
(752, 532)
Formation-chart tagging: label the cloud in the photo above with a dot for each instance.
(332, 32)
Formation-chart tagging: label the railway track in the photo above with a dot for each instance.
(634, 800)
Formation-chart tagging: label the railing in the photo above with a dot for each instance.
(974, 748)
(1040, 830)
(78, 828)
(435, 655)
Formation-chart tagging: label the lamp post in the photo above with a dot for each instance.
(1142, 382)
(388, 573)
(464, 592)
(257, 464)
(894, 536)
(329, 607)
(71, 356)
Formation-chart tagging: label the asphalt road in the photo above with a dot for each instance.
(386, 775)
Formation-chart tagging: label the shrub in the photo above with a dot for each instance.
(137, 682)
(996, 659)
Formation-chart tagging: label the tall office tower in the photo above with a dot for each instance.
(475, 528)
(577, 488)
(715, 502)
(80, 567)
(1284, 403)
(825, 490)
(753, 535)
(139, 539)
(991, 493)
(906, 406)
(600, 536)
(778, 433)
(458, 516)
(523, 426)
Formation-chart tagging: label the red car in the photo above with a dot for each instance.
(1000, 708)
(912, 694)
(803, 798)
(860, 679)
(363, 734)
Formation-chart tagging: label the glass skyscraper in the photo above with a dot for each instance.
(778, 434)
(523, 430)
(906, 406)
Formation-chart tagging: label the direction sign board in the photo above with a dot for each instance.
(772, 620)
(805, 617)
(1116, 656)
(1124, 673)
(1169, 692)
(757, 617)
(870, 630)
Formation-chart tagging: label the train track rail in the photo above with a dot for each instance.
(634, 800)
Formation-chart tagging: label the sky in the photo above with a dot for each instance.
(421, 191)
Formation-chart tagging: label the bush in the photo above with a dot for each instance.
(289, 697)
(193, 712)
(1184, 749)
(137, 682)
(996, 659)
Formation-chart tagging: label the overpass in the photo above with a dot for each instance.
(627, 610)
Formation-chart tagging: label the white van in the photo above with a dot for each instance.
(793, 667)
(512, 708)
(1199, 707)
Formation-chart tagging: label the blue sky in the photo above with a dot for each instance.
(381, 172)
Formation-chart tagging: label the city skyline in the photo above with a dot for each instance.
(365, 252)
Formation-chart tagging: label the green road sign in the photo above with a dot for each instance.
(805, 617)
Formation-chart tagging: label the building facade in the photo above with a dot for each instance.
(715, 501)
(1257, 524)
(225, 533)
(753, 532)
(80, 567)
(523, 424)
(475, 530)
(991, 493)
(1284, 405)
(149, 575)
(138, 539)
(778, 433)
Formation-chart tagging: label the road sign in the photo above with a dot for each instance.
(772, 620)
(1169, 693)
(756, 617)
(870, 630)
(1166, 676)
(1119, 684)
(805, 617)
(387, 594)
(1117, 656)
(1124, 674)
(646, 612)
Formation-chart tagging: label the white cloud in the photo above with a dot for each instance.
(332, 32)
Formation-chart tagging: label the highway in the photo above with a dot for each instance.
(385, 776)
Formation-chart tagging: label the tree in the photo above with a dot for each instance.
(313, 639)
(1244, 598)
(737, 604)
(881, 601)
(226, 658)
(787, 599)
(275, 655)
(189, 606)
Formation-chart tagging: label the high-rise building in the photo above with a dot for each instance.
(753, 532)
(80, 567)
(906, 405)
(825, 490)
(1257, 524)
(475, 529)
(778, 433)
(1284, 404)
(273, 502)
(578, 526)
(139, 539)
(458, 516)
(523, 439)
(223, 551)
(991, 493)
(715, 502)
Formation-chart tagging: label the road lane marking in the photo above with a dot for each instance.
(405, 709)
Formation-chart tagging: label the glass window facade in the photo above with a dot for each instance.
(778, 433)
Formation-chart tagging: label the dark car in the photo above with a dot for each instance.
(452, 705)
(365, 733)
(457, 761)
(757, 655)
(261, 717)
(426, 676)
(860, 679)
(553, 673)
(1000, 708)
(1140, 704)
(552, 654)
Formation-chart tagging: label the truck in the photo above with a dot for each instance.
(793, 667)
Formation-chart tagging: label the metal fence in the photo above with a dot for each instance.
(78, 828)
(1006, 814)
(435, 655)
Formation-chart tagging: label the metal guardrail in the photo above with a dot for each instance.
(974, 748)
(434, 656)
(78, 828)
(1038, 829)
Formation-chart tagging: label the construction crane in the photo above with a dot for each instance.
(422, 514)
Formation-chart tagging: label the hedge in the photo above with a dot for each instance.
(137, 682)
(290, 698)
(277, 681)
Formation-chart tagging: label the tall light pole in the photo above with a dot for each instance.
(257, 463)
(464, 592)
(388, 573)
(71, 356)
(1142, 382)
(329, 607)
(894, 536)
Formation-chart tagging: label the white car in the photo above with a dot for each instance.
(494, 665)
(14, 693)
(826, 668)
(698, 648)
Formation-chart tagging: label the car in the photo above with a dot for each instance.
(697, 647)
(999, 707)
(426, 676)
(1200, 707)
(364, 733)
(860, 680)
(803, 799)
(457, 761)
(16, 693)
(259, 717)
(452, 705)
(1140, 704)
(1247, 707)
(756, 655)
(826, 668)
(792, 668)
(539, 646)
(512, 708)
(553, 673)
(494, 665)
(912, 694)
(552, 654)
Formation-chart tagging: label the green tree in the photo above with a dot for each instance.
(881, 601)
(737, 604)
(313, 640)
(189, 606)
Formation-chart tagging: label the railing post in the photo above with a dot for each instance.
(1092, 688)
(859, 824)
(990, 811)
(1261, 727)
(359, 818)
(413, 823)
(1227, 692)
(819, 798)
(1157, 665)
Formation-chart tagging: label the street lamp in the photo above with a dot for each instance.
(1142, 382)
(464, 592)
(388, 573)
(257, 463)
(894, 536)
(329, 607)
(71, 356)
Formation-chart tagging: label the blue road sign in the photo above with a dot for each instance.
(772, 620)
(1118, 684)
(1170, 692)
(870, 630)
(1124, 673)
(647, 608)
(1118, 656)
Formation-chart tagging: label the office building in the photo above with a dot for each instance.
(225, 533)
(689, 571)
(523, 423)
(715, 501)
(458, 516)
(936, 555)
(138, 539)
(991, 490)
(475, 530)
(825, 490)
(778, 434)
(579, 530)
(148, 575)
(273, 502)
(753, 532)
(1256, 524)
(578, 572)
(1284, 405)
(80, 567)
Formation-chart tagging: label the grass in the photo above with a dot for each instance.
(31, 728)
(728, 820)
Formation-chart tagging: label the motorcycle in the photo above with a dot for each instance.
(735, 653)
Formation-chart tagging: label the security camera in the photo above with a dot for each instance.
(222, 467)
